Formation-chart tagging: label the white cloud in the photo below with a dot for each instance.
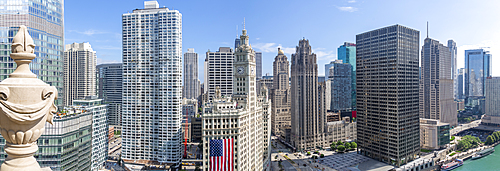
(348, 9)
(257, 38)
(106, 61)
(351, 1)
(89, 32)
(272, 47)
(322, 54)
(266, 47)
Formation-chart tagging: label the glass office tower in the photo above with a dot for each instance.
(44, 20)
(347, 53)
(477, 68)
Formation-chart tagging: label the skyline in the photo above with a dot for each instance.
(271, 24)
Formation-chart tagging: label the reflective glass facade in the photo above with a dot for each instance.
(44, 19)
(66, 145)
(347, 53)
(477, 68)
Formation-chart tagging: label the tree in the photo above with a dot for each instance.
(322, 155)
(497, 135)
(341, 148)
(197, 167)
(489, 140)
(333, 147)
(354, 145)
(348, 145)
(340, 143)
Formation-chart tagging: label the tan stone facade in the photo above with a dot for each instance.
(280, 117)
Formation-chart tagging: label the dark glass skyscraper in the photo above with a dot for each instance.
(258, 65)
(45, 22)
(387, 85)
(109, 89)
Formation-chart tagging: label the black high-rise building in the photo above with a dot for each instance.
(387, 85)
(109, 89)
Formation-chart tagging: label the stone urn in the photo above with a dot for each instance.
(26, 103)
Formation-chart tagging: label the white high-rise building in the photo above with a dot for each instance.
(219, 72)
(244, 117)
(191, 82)
(452, 45)
(152, 85)
(79, 72)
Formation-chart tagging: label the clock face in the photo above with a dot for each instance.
(253, 70)
(240, 70)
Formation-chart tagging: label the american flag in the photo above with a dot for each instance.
(222, 155)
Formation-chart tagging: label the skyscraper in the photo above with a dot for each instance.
(347, 53)
(219, 72)
(190, 88)
(236, 42)
(280, 117)
(45, 23)
(477, 68)
(258, 64)
(436, 85)
(492, 90)
(452, 45)
(307, 128)
(338, 87)
(109, 89)
(387, 99)
(460, 83)
(244, 117)
(152, 85)
(79, 72)
(99, 128)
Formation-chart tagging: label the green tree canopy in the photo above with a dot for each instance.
(468, 142)
(348, 145)
(333, 147)
(354, 145)
(340, 148)
(489, 140)
(340, 143)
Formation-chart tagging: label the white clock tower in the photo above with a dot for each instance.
(244, 86)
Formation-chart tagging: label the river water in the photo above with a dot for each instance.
(490, 162)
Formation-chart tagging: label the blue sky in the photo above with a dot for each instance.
(272, 23)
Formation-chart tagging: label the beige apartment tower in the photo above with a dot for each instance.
(280, 117)
(436, 84)
(79, 72)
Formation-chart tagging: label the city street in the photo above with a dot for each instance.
(115, 148)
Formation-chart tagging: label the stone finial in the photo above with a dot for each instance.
(26, 104)
(22, 53)
(22, 42)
